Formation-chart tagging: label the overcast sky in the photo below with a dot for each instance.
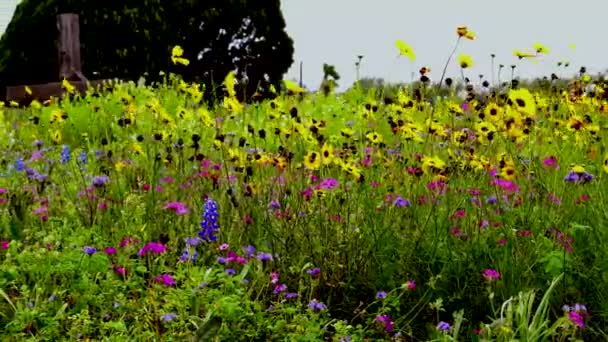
(335, 31)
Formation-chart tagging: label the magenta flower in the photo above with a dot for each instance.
(166, 279)
(120, 270)
(127, 240)
(328, 183)
(389, 325)
(152, 247)
(577, 318)
(410, 284)
(506, 185)
(109, 250)
(4, 244)
(551, 162)
(179, 208)
(491, 274)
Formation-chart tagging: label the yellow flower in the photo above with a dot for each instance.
(176, 56)
(229, 83)
(461, 31)
(68, 87)
(605, 165)
(523, 54)
(540, 48)
(233, 105)
(293, 87)
(28, 90)
(432, 164)
(119, 166)
(327, 154)
(492, 111)
(312, 161)
(405, 50)
(523, 101)
(578, 169)
(374, 137)
(465, 61)
(470, 35)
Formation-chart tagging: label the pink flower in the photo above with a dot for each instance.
(491, 274)
(153, 247)
(274, 277)
(109, 250)
(577, 318)
(4, 244)
(506, 185)
(166, 279)
(223, 247)
(410, 285)
(146, 187)
(120, 270)
(3, 191)
(179, 208)
(551, 162)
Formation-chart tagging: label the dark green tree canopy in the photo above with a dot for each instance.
(132, 38)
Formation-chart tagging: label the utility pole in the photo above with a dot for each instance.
(358, 65)
(301, 66)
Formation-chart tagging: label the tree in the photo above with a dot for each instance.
(330, 78)
(131, 38)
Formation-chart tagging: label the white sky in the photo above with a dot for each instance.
(335, 31)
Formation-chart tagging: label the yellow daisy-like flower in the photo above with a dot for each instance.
(121, 165)
(492, 111)
(465, 61)
(176, 56)
(56, 137)
(523, 54)
(605, 164)
(432, 164)
(327, 154)
(312, 161)
(523, 101)
(470, 35)
(540, 48)
(374, 137)
(405, 50)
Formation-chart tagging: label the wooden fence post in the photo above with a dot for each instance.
(70, 64)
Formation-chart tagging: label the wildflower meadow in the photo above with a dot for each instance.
(141, 213)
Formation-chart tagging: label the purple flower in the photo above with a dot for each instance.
(578, 177)
(389, 325)
(89, 250)
(65, 154)
(274, 204)
(577, 318)
(166, 279)
(264, 256)
(313, 272)
(401, 202)
(381, 295)
(491, 274)
(99, 181)
(168, 317)
(249, 251)
(230, 271)
(291, 295)
(346, 339)
(192, 241)
(444, 326)
(152, 247)
(279, 288)
(328, 183)
(316, 305)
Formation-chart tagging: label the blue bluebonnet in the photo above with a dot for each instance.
(82, 157)
(578, 177)
(168, 317)
(187, 255)
(209, 224)
(65, 154)
(89, 250)
(19, 164)
(316, 305)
